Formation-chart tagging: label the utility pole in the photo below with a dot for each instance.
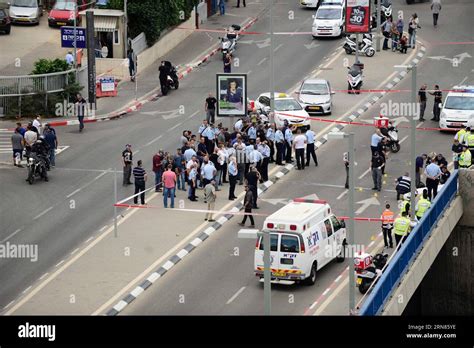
(351, 233)
(413, 142)
(126, 26)
(272, 67)
(377, 30)
(75, 39)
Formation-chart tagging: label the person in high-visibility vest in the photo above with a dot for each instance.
(465, 158)
(405, 204)
(461, 134)
(469, 141)
(423, 205)
(387, 225)
(401, 227)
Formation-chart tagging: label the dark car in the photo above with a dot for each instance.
(5, 21)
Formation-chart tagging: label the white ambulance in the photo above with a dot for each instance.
(304, 237)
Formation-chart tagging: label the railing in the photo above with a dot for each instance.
(405, 256)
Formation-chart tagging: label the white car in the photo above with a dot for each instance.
(26, 11)
(458, 108)
(309, 3)
(285, 108)
(316, 96)
(328, 21)
(304, 237)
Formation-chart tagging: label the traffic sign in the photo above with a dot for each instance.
(67, 37)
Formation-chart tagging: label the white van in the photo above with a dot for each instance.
(328, 21)
(304, 237)
(458, 108)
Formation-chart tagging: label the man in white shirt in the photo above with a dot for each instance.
(280, 146)
(37, 124)
(299, 145)
(310, 139)
(30, 138)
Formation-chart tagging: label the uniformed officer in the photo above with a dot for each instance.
(401, 227)
(310, 138)
(469, 140)
(387, 225)
(280, 146)
(461, 134)
(405, 204)
(288, 144)
(423, 205)
(465, 158)
(127, 157)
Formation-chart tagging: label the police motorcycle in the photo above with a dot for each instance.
(365, 47)
(229, 42)
(354, 79)
(168, 77)
(37, 161)
(367, 268)
(391, 133)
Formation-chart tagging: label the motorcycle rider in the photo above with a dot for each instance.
(164, 70)
(41, 149)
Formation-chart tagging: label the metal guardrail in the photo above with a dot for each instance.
(409, 249)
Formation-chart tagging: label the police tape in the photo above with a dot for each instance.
(230, 212)
(362, 123)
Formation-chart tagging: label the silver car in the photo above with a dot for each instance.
(26, 11)
(316, 96)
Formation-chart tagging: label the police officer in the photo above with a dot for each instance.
(401, 227)
(280, 146)
(469, 140)
(465, 158)
(461, 134)
(405, 204)
(127, 157)
(288, 143)
(387, 225)
(403, 185)
(423, 205)
(310, 138)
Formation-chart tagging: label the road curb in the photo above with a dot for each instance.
(175, 259)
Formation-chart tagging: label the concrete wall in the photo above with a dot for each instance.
(466, 190)
(165, 44)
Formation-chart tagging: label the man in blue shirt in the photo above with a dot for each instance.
(433, 173)
(310, 138)
(375, 140)
(140, 177)
(52, 141)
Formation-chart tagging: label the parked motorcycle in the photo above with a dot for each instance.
(37, 167)
(172, 79)
(229, 42)
(391, 133)
(354, 79)
(368, 268)
(365, 47)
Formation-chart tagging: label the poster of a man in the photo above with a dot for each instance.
(232, 94)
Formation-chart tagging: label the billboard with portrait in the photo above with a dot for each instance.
(231, 94)
(357, 16)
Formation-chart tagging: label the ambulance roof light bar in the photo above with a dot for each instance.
(306, 200)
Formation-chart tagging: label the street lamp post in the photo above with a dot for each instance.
(75, 39)
(413, 70)
(377, 29)
(272, 70)
(267, 285)
(351, 205)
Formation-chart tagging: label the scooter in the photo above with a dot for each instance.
(391, 133)
(370, 269)
(365, 47)
(36, 168)
(354, 79)
(172, 79)
(229, 42)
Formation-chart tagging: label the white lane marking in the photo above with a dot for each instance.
(261, 62)
(235, 295)
(59, 263)
(137, 291)
(182, 253)
(153, 140)
(338, 278)
(153, 277)
(73, 193)
(103, 228)
(342, 194)
(370, 244)
(74, 251)
(176, 126)
(313, 305)
(8, 305)
(278, 47)
(41, 214)
(11, 235)
(364, 173)
(26, 290)
(168, 265)
(326, 291)
(193, 114)
(464, 80)
(404, 138)
(420, 124)
(87, 241)
(44, 275)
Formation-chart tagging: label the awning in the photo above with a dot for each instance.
(105, 23)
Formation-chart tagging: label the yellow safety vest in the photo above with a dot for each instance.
(423, 205)
(469, 139)
(465, 159)
(401, 226)
(404, 206)
(460, 136)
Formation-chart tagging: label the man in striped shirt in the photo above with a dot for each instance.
(140, 177)
(403, 185)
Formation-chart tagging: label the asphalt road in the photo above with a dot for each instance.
(77, 202)
(213, 280)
